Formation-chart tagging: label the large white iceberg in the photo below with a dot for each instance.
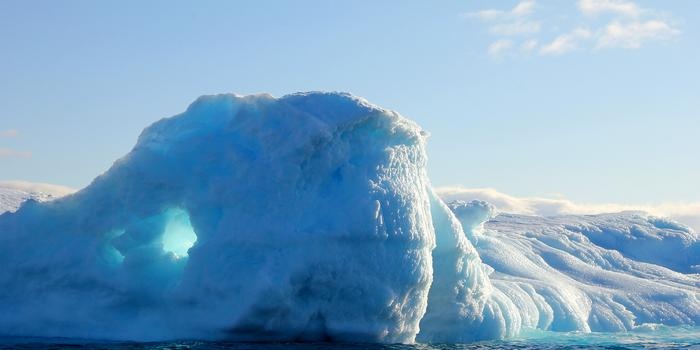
(605, 273)
(311, 217)
(310, 213)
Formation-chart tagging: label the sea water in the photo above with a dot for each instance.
(651, 337)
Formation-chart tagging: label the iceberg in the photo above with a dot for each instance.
(601, 273)
(246, 218)
(587, 273)
(311, 217)
(14, 193)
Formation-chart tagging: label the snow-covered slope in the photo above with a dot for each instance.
(311, 217)
(635, 235)
(13, 193)
(609, 272)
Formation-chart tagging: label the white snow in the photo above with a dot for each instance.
(13, 193)
(311, 217)
(608, 272)
(687, 212)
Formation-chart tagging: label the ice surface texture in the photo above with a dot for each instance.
(311, 217)
(312, 222)
(605, 273)
(14, 193)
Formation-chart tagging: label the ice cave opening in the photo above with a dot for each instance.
(178, 234)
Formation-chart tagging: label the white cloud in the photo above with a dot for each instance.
(8, 153)
(516, 28)
(498, 47)
(617, 7)
(485, 15)
(9, 133)
(634, 34)
(687, 213)
(566, 42)
(522, 9)
(529, 46)
(510, 23)
(626, 25)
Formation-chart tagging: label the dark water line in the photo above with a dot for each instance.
(59, 344)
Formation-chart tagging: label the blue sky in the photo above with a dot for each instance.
(593, 100)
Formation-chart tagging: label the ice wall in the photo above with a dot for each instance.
(463, 305)
(311, 220)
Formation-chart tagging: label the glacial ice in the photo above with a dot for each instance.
(311, 217)
(14, 193)
(588, 272)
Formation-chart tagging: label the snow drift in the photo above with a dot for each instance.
(311, 217)
(14, 193)
(605, 273)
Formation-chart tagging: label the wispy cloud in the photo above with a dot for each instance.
(634, 34)
(498, 47)
(510, 22)
(622, 24)
(617, 7)
(566, 42)
(687, 213)
(9, 133)
(523, 8)
(528, 46)
(516, 28)
(11, 153)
